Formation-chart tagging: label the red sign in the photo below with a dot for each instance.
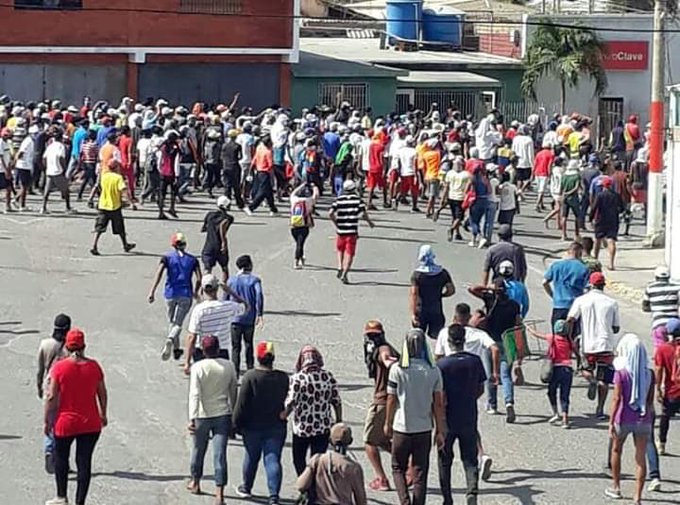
(633, 55)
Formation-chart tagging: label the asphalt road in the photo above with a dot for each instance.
(143, 455)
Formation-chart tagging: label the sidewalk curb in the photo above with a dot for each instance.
(628, 293)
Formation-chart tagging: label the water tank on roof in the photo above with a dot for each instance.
(403, 19)
(443, 25)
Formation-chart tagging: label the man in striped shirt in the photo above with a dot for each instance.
(661, 298)
(212, 317)
(345, 213)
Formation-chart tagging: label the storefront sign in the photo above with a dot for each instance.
(633, 55)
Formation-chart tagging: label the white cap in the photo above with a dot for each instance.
(662, 272)
(573, 165)
(223, 202)
(349, 186)
(33, 129)
(506, 268)
(209, 281)
(491, 167)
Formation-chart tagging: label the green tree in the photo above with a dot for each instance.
(564, 54)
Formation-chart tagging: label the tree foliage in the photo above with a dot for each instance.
(564, 54)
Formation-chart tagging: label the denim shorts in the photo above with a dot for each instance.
(637, 430)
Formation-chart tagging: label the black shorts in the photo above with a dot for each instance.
(573, 204)
(431, 324)
(4, 183)
(601, 365)
(25, 178)
(610, 233)
(113, 216)
(457, 210)
(211, 259)
(523, 174)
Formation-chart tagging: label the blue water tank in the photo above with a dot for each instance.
(403, 19)
(443, 25)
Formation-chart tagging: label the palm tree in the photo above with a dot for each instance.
(563, 54)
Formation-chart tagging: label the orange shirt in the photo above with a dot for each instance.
(106, 154)
(263, 159)
(431, 161)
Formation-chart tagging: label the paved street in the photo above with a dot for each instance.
(143, 455)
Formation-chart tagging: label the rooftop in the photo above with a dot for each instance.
(314, 65)
(368, 51)
(450, 79)
(376, 8)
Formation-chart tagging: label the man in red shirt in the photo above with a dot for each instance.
(126, 155)
(263, 163)
(542, 163)
(667, 368)
(376, 177)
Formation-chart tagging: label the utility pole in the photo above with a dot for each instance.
(655, 229)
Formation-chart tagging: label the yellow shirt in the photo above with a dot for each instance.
(112, 186)
(574, 142)
(431, 160)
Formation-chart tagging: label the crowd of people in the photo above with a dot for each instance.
(482, 171)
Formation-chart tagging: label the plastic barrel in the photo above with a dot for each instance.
(403, 19)
(443, 25)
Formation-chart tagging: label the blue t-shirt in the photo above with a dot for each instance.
(462, 375)
(518, 292)
(569, 278)
(78, 138)
(331, 144)
(249, 287)
(180, 268)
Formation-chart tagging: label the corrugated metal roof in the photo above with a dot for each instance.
(449, 79)
(315, 65)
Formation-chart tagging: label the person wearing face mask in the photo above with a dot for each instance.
(180, 267)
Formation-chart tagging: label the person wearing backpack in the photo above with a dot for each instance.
(50, 351)
(302, 201)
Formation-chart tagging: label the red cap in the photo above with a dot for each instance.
(597, 279)
(264, 348)
(75, 340)
(607, 181)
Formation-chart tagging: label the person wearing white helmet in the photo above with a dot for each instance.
(216, 224)
(345, 213)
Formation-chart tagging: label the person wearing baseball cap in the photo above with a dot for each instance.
(598, 315)
(179, 267)
(335, 477)
(212, 397)
(605, 215)
(667, 379)
(75, 410)
(259, 416)
(661, 298)
(216, 224)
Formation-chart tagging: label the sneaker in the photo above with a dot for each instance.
(44, 211)
(49, 463)
(510, 414)
(167, 350)
(473, 243)
(177, 354)
(554, 419)
(248, 211)
(273, 214)
(339, 274)
(449, 235)
(566, 425)
(655, 485)
(661, 447)
(173, 213)
(94, 252)
(592, 390)
(613, 493)
(242, 492)
(458, 237)
(344, 279)
(379, 484)
(129, 247)
(601, 416)
(485, 467)
(416, 210)
(25, 209)
(162, 217)
(57, 501)
(273, 501)
(90, 204)
(483, 243)
(492, 411)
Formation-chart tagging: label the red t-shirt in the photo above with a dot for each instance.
(542, 163)
(375, 157)
(559, 350)
(124, 144)
(77, 383)
(667, 356)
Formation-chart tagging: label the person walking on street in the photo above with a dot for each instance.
(504, 250)
(605, 214)
(667, 367)
(248, 287)
(263, 164)
(463, 379)
(430, 284)
(179, 267)
(212, 397)
(50, 351)
(169, 169)
(232, 156)
(302, 201)
(312, 393)
(345, 213)
(564, 281)
(75, 410)
(661, 298)
(598, 315)
(212, 147)
(414, 406)
(334, 476)
(216, 225)
(379, 356)
(55, 170)
(259, 416)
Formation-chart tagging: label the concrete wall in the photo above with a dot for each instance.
(634, 86)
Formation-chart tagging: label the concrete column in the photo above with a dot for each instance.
(673, 190)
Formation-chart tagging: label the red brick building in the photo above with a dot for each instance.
(183, 50)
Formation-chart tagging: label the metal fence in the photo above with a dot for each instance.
(334, 94)
(468, 102)
(211, 6)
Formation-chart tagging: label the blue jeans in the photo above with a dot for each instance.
(185, 170)
(489, 219)
(477, 212)
(219, 427)
(562, 379)
(338, 181)
(49, 439)
(267, 443)
(506, 383)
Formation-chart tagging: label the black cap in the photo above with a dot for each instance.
(62, 324)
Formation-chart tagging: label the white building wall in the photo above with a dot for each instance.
(634, 86)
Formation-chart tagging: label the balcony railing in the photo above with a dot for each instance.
(211, 6)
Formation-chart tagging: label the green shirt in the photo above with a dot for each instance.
(569, 182)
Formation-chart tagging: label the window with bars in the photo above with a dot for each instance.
(48, 4)
(334, 94)
(211, 6)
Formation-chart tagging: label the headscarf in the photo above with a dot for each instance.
(415, 347)
(426, 261)
(632, 357)
(308, 359)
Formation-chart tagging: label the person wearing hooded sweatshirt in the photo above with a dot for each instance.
(50, 351)
(312, 397)
(414, 405)
(334, 476)
(430, 283)
(631, 411)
